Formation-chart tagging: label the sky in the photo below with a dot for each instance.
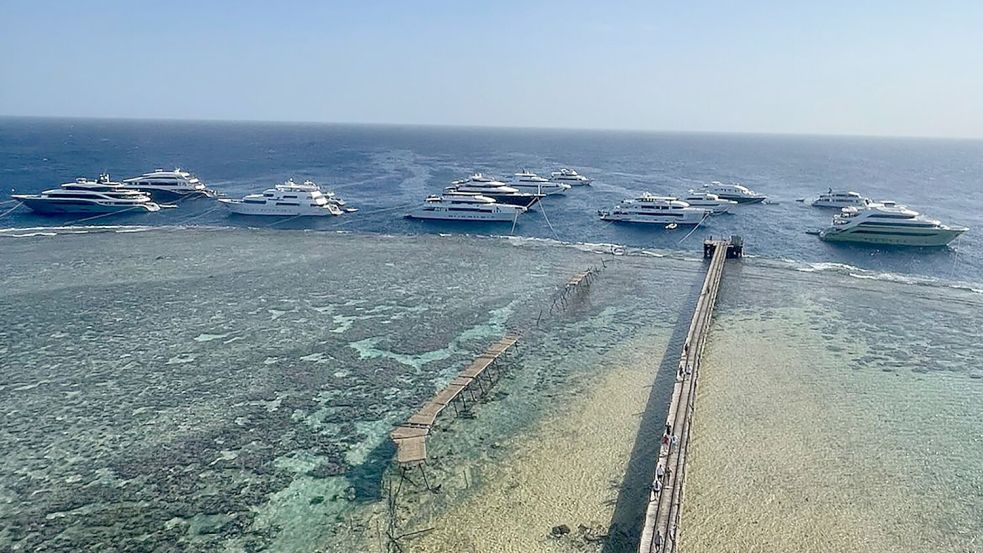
(874, 67)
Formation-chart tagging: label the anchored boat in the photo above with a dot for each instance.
(88, 196)
(648, 208)
(889, 224)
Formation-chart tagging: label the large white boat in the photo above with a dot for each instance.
(736, 192)
(526, 181)
(496, 190)
(661, 210)
(88, 196)
(710, 202)
(462, 206)
(839, 200)
(889, 224)
(287, 199)
(569, 176)
(169, 185)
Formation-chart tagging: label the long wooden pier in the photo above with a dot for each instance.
(660, 531)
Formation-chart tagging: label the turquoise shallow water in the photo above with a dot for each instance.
(209, 389)
(838, 414)
(215, 389)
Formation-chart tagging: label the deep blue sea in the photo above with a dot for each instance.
(383, 170)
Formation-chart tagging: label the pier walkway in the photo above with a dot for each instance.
(411, 436)
(660, 531)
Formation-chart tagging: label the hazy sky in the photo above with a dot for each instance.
(846, 67)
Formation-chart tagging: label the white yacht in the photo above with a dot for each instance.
(736, 192)
(569, 176)
(710, 202)
(496, 190)
(526, 181)
(661, 210)
(890, 224)
(287, 199)
(169, 185)
(461, 206)
(331, 196)
(839, 200)
(88, 196)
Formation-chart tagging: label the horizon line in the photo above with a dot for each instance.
(494, 127)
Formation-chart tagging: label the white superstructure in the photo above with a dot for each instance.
(88, 196)
(461, 206)
(569, 176)
(661, 210)
(287, 199)
(736, 192)
(889, 224)
(839, 200)
(710, 202)
(496, 190)
(169, 185)
(526, 181)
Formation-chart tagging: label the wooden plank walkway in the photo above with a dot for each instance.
(411, 437)
(660, 531)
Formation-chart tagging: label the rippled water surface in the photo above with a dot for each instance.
(233, 390)
(837, 414)
(385, 170)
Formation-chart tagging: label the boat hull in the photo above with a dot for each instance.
(573, 182)
(716, 209)
(742, 199)
(823, 205)
(521, 200)
(546, 189)
(491, 217)
(49, 207)
(263, 210)
(935, 239)
(631, 218)
(160, 195)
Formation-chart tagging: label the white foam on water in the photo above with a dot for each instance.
(209, 337)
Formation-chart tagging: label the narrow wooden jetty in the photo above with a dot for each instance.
(660, 531)
(411, 437)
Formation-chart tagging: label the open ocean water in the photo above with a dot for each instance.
(180, 382)
(383, 170)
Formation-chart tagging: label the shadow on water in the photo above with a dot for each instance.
(629, 510)
(366, 478)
